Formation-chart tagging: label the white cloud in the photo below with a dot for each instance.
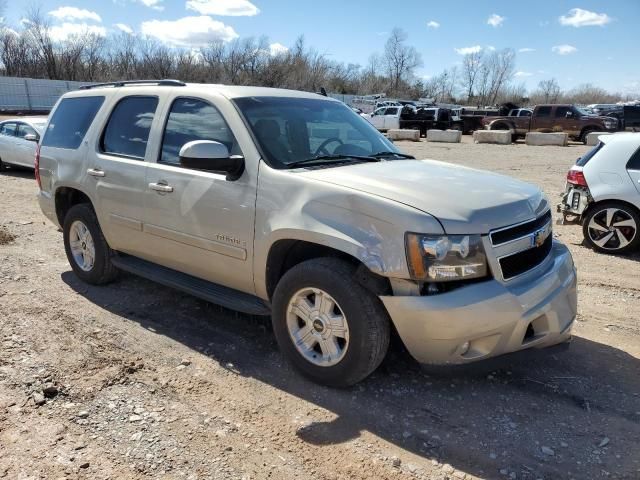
(526, 50)
(277, 49)
(491, 48)
(495, 20)
(467, 50)
(578, 17)
(433, 24)
(564, 49)
(232, 8)
(188, 31)
(73, 13)
(520, 73)
(124, 28)
(64, 31)
(154, 4)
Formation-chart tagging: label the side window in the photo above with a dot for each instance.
(24, 130)
(561, 112)
(391, 111)
(191, 119)
(543, 112)
(8, 129)
(70, 122)
(634, 161)
(525, 113)
(128, 128)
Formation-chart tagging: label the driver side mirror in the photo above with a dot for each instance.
(30, 137)
(213, 157)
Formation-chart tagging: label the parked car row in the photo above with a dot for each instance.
(288, 204)
(553, 118)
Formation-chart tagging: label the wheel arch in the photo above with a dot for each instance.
(600, 201)
(67, 197)
(286, 253)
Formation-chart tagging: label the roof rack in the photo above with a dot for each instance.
(160, 83)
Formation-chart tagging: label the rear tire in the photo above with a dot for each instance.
(612, 227)
(342, 329)
(87, 250)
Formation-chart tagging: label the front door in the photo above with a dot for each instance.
(26, 149)
(199, 222)
(377, 118)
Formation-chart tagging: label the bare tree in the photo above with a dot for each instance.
(471, 65)
(549, 90)
(401, 60)
(39, 31)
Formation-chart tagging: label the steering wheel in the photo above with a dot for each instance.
(322, 149)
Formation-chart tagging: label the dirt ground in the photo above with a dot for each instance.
(134, 380)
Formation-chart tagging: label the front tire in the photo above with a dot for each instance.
(87, 250)
(612, 227)
(329, 327)
(585, 134)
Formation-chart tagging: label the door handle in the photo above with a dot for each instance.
(161, 187)
(95, 172)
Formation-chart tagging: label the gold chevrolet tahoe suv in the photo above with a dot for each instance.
(285, 203)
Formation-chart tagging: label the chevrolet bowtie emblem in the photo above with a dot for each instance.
(539, 237)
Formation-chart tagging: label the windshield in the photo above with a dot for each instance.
(291, 130)
(39, 126)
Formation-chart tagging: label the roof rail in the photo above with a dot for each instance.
(160, 83)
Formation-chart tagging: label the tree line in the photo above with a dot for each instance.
(483, 78)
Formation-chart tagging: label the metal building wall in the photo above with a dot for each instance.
(32, 94)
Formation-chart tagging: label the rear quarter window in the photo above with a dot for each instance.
(583, 160)
(70, 122)
(634, 161)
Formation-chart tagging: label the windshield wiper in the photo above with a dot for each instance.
(386, 154)
(325, 159)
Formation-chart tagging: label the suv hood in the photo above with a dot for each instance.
(464, 200)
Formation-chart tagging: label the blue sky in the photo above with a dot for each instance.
(576, 42)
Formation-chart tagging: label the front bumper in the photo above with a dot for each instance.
(491, 318)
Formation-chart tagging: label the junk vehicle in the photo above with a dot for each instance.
(411, 118)
(603, 194)
(554, 118)
(289, 204)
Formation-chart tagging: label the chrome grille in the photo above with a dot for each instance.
(522, 247)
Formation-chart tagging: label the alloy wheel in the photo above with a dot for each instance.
(82, 246)
(318, 327)
(612, 229)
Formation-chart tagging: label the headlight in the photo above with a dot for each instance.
(610, 123)
(444, 258)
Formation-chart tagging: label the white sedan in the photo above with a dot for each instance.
(603, 193)
(18, 140)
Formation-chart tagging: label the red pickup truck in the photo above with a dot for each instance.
(554, 118)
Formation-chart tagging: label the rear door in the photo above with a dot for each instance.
(117, 168)
(8, 142)
(391, 118)
(542, 120)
